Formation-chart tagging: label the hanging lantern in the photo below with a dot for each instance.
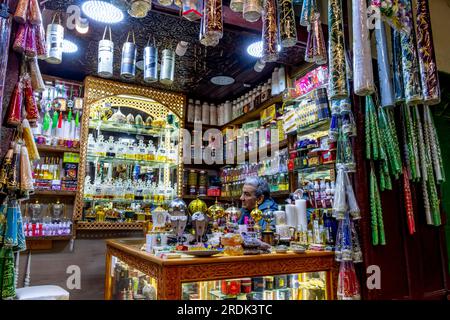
(139, 8)
(128, 64)
(55, 38)
(192, 9)
(237, 5)
(252, 10)
(213, 24)
(167, 67)
(286, 18)
(197, 205)
(150, 63)
(105, 56)
(269, 32)
(165, 3)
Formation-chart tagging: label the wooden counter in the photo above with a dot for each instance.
(171, 273)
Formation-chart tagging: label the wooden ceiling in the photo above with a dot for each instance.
(194, 69)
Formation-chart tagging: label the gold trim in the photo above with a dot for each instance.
(98, 91)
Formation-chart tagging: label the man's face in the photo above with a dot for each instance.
(248, 197)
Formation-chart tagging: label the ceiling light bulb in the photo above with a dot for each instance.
(69, 46)
(82, 26)
(255, 49)
(102, 11)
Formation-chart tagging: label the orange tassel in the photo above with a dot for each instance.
(15, 106)
(34, 13)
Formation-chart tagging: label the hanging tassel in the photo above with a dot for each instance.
(10, 237)
(357, 252)
(351, 198)
(26, 176)
(408, 203)
(30, 101)
(21, 13)
(20, 42)
(30, 43)
(340, 203)
(384, 68)
(305, 13)
(427, 61)
(393, 156)
(28, 138)
(21, 242)
(15, 106)
(36, 77)
(7, 273)
(41, 46)
(319, 49)
(399, 91)
(34, 13)
(333, 132)
(337, 82)
(309, 52)
(377, 224)
(348, 285)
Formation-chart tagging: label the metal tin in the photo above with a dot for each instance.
(150, 64)
(128, 63)
(193, 178)
(105, 58)
(258, 284)
(167, 67)
(252, 10)
(55, 38)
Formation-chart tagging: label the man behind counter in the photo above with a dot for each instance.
(256, 190)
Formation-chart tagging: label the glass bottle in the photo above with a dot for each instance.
(151, 152)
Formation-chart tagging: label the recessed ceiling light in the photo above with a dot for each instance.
(255, 49)
(102, 11)
(222, 80)
(69, 46)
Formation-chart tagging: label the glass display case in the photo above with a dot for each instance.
(297, 286)
(130, 154)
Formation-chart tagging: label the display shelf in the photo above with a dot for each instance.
(191, 125)
(255, 154)
(324, 166)
(129, 128)
(275, 194)
(55, 193)
(255, 113)
(105, 225)
(320, 125)
(52, 238)
(207, 198)
(148, 163)
(56, 149)
(289, 100)
(156, 203)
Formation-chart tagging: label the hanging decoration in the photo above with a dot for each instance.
(139, 8)
(21, 13)
(237, 5)
(5, 35)
(408, 202)
(286, 24)
(269, 32)
(319, 51)
(54, 41)
(337, 84)
(399, 92)
(427, 60)
(34, 13)
(192, 9)
(105, 55)
(36, 77)
(389, 10)
(362, 58)
(14, 114)
(378, 236)
(165, 3)
(410, 63)
(128, 62)
(211, 24)
(167, 74)
(305, 14)
(151, 62)
(251, 11)
(384, 67)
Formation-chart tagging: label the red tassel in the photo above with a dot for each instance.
(408, 202)
(60, 120)
(34, 13)
(15, 106)
(41, 46)
(21, 11)
(30, 101)
(20, 41)
(30, 47)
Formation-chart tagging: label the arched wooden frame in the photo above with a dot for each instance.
(96, 90)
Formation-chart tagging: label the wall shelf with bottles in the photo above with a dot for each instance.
(57, 149)
(56, 193)
(129, 156)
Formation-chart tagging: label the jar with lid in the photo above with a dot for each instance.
(205, 113)
(227, 111)
(198, 111)
(233, 110)
(190, 111)
(212, 114)
(192, 178)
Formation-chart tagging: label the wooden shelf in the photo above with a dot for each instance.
(205, 198)
(255, 113)
(276, 194)
(52, 238)
(54, 193)
(105, 225)
(56, 149)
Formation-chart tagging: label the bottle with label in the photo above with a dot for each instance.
(205, 113)
(212, 114)
(197, 111)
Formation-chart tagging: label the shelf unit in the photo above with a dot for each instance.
(56, 193)
(106, 225)
(129, 128)
(56, 149)
(148, 163)
(52, 238)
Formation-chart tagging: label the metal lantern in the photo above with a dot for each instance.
(177, 207)
(105, 56)
(233, 213)
(213, 19)
(197, 205)
(216, 211)
(269, 32)
(167, 67)
(192, 9)
(237, 5)
(128, 63)
(286, 23)
(165, 3)
(252, 10)
(150, 63)
(139, 8)
(55, 38)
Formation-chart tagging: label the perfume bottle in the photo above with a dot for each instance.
(151, 152)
